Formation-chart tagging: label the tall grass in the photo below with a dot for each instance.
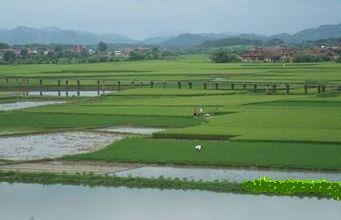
(220, 153)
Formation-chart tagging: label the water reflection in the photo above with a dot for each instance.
(234, 175)
(68, 93)
(28, 201)
(26, 104)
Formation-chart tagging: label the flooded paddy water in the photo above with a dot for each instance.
(53, 145)
(131, 130)
(231, 175)
(54, 202)
(69, 93)
(26, 104)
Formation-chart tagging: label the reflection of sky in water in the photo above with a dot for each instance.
(55, 202)
(22, 105)
(70, 93)
(53, 145)
(236, 175)
(131, 130)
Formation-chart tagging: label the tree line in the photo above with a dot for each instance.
(65, 54)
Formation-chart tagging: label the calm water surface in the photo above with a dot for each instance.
(69, 93)
(53, 145)
(26, 104)
(234, 175)
(30, 201)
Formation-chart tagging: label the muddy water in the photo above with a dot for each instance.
(233, 175)
(69, 93)
(53, 145)
(131, 130)
(54, 202)
(22, 105)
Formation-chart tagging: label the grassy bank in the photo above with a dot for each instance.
(159, 183)
(220, 153)
(114, 181)
(321, 188)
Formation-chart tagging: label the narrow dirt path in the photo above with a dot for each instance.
(69, 167)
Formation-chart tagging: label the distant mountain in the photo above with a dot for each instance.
(232, 42)
(312, 34)
(215, 36)
(157, 40)
(26, 35)
(283, 36)
(332, 42)
(322, 32)
(160, 37)
(185, 40)
(252, 37)
(193, 40)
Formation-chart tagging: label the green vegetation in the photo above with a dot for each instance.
(309, 59)
(220, 153)
(102, 46)
(73, 54)
(162, 183)
(242, 128)
(267, 124)
(291, 187)
(19, 122)
(121, 110)
(223, 56)
(183, 68)
(4, 46)
(114, 181)
(229, 42)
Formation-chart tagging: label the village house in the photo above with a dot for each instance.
(90, 51)
(330, 52)
(2, 53)
(48, 50)
(31, 51)
(268, 54)
(272, 54)
(125, 52)
(77, 49)
(254, 54)
(17, 51)
(143, 49)
(117, 53)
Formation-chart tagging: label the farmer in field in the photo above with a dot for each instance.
(195, 114)
(201, 111)
(198, 147)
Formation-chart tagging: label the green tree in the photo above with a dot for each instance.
(223, 56)
(102, 46)
(9, 56)
(4, 46)
(306, 59)
(23, 53)
(275, 42)
(136, 55)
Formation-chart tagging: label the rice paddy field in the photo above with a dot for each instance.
(241, 128)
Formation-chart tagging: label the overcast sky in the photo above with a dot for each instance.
(142, 18)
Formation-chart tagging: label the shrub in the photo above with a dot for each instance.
(307, 59)
(223, 56)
